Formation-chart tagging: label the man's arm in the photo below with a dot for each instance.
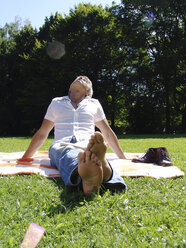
(110, 137)
(39, 138)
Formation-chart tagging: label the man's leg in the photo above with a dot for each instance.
(92, 165)
(91, 171)
(74, 168)
(66, 160)
(98, 147)
(111, 178)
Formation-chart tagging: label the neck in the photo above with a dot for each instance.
(74, 104)
(77, 101)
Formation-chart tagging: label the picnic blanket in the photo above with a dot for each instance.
(40, 164)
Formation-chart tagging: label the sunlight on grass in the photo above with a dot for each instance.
(150, 214)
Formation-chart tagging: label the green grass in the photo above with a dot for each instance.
(150, 214)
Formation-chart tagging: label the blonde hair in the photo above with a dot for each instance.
(85, 81)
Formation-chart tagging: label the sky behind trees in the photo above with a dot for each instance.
(35, 11)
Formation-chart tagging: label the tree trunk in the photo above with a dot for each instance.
(113, 107)
(184, 121)
(167, 109)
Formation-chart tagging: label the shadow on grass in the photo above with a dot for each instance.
(73, 197)
(70, 197)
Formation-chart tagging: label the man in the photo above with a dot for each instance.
(74, 118)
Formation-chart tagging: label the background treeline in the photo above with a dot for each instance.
(134, 53)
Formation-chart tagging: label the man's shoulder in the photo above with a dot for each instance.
(93, 100)
(60, 99)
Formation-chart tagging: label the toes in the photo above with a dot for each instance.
(99, 137)
(81, 157)
(87, 156)
(99, 163)
(96, 159)
(93, 157)
(91, 143)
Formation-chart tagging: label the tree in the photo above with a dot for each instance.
(7, 48)
(133, 52)
(158, 26)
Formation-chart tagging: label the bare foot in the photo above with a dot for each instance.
(98, 147)
(90, 170)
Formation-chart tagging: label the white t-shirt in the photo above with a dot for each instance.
(69, 121)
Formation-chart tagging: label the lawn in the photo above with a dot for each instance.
(150, 214)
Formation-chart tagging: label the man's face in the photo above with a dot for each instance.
(77, 92)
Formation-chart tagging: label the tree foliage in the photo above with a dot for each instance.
(133, 52)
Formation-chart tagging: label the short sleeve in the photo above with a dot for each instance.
(50, 114)
(100, 115)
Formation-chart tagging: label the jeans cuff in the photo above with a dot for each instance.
(105, 181)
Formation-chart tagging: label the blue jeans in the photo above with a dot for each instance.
(65, 159)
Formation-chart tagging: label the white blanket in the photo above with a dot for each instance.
(40, 164)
